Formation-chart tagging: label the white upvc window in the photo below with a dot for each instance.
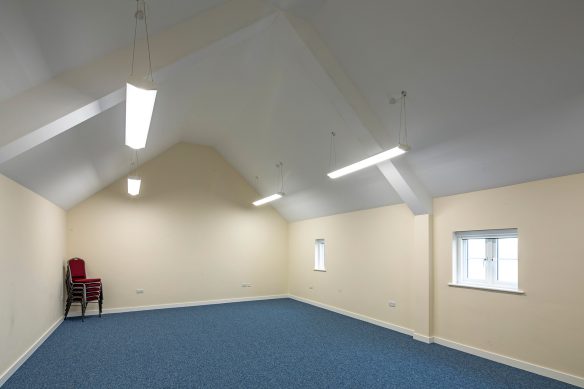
(486, 259)
(319, 255)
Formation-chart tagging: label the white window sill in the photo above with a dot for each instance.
(322, 270)
(487, 287)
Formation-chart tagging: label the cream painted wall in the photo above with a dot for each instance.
(192, 234)
(544, 326)
(32, 254)
(368, 262)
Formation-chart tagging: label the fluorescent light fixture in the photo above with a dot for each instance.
(268, 199)
(140, 99)
(134, 183)
(373, 160)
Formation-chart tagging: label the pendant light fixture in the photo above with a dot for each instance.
(140, 91)
(134, 180)
(275, 196)
(400, 149)
(134, 183)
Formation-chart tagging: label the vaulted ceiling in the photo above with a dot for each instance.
(495, 94)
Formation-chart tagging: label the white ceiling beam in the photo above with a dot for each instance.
(51, 108)
(355, 110)
(62, 124)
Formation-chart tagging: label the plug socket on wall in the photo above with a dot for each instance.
(139, 291)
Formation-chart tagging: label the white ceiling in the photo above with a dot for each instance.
(496, 96)
(496, 87)
(41, 39)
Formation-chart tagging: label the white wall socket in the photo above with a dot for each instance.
(139, 291)
(246, 285)
(392, 304)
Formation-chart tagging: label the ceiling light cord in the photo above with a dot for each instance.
(280, 165)
(141, 13)
(403, 125)
(135, 31)
(333, 153)
(148, 43)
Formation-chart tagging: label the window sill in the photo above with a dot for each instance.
(323, 271)
(488, 288)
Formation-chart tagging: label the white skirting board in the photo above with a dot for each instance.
(519, 364)
(12, 369)
(354, 315)
(179, 305)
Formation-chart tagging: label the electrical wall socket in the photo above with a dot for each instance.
(392, 304)
(246, 285)
(139, 291)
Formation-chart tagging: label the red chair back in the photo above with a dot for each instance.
(77, 268)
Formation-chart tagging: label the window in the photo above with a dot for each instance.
(319, 255)
(486, 259)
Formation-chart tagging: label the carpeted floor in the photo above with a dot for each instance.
(265, 344)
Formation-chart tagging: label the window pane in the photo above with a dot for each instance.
(507, 270)
(476, 269)
(319, 254)
(476, 248)
(507, 248)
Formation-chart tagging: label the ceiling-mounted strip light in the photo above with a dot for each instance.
(275, 196)
(134, 183)
(373, 160)
(139, 107)
(140, 92)
(269, 199)
(400, 149)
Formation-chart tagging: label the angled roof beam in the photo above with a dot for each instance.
(356, 111)
(63, 102)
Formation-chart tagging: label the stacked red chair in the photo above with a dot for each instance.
(80, 289)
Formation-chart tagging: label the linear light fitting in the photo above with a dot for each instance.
(140, 99)
(134, 183)
(373, 160)
(268, 199)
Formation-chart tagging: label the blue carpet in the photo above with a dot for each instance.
(264, 344)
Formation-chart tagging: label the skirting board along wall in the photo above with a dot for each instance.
(546, 372)
(180, 305)
(519, 364)
(8, 373)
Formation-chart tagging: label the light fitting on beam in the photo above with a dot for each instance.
(134, 183)
(269, 199)
(373, 160)
(140, 99)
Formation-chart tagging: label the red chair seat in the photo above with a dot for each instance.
(85, 280)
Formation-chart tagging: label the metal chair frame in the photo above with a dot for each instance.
(77, 293)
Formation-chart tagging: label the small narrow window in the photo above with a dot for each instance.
(487, 259)
(319, 255)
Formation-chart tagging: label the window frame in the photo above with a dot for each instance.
(319, 260)
(460, 261)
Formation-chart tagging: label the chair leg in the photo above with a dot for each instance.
(67, 307)
(100, 304)
(83, 306)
